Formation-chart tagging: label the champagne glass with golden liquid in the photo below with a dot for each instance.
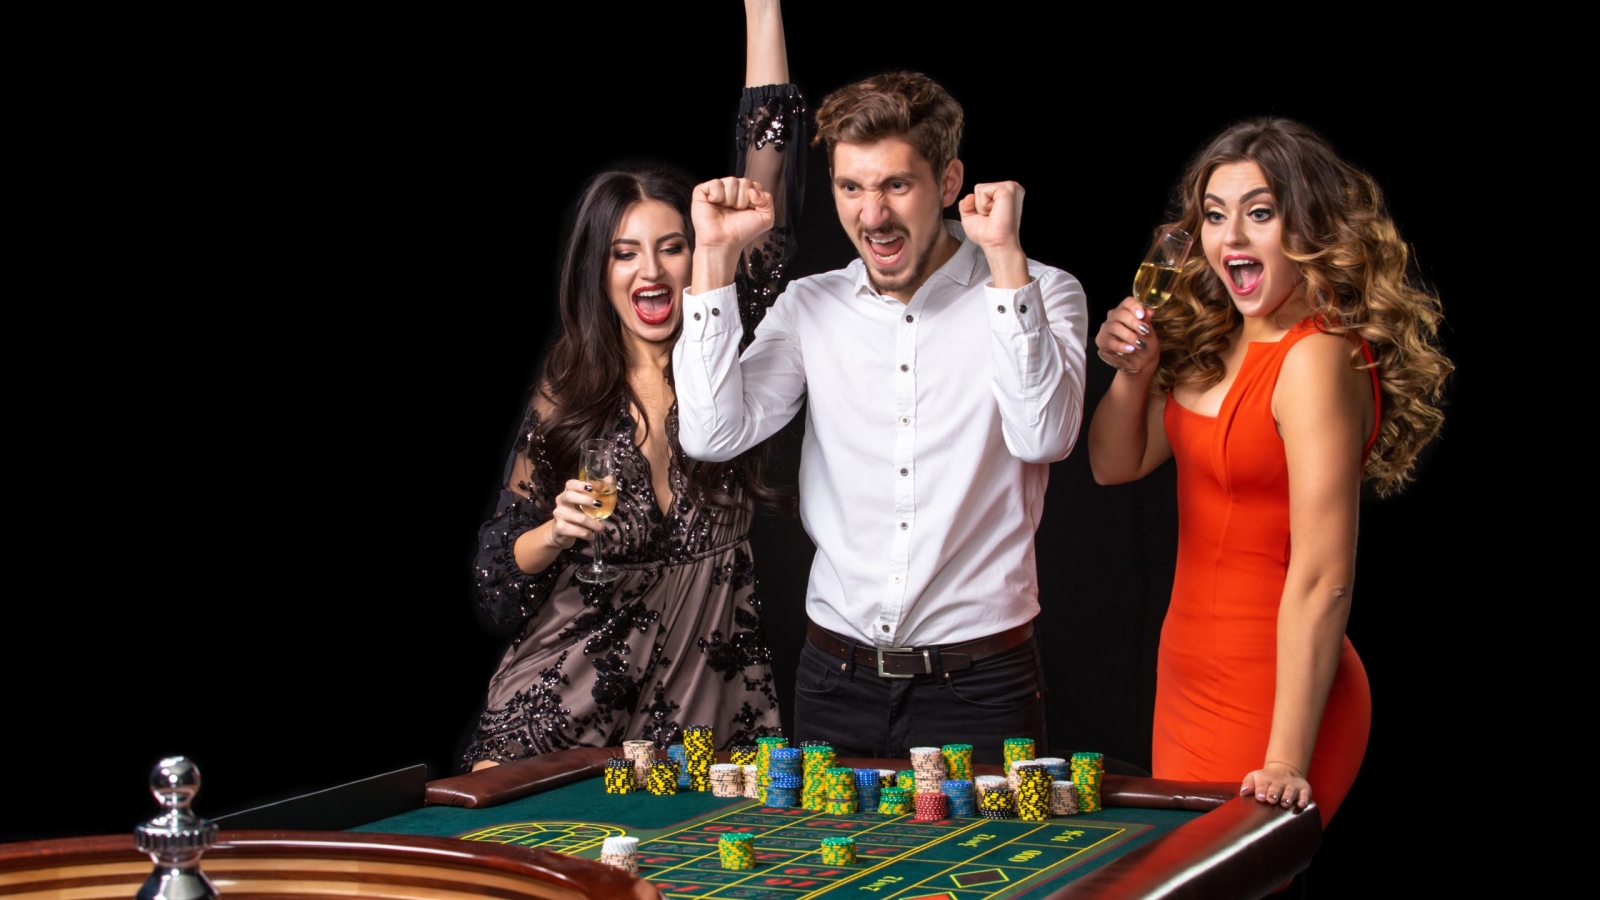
(597, 466)
(1152, 284)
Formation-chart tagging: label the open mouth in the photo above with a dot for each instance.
(653, 303)
(1245, 273)
(886, 250)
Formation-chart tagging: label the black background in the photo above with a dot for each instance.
(298, 292)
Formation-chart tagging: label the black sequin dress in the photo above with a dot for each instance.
(675, 641)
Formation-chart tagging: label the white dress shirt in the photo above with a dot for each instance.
(926, 456)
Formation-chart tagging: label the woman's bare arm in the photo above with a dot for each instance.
(1324, 411)
(1127, 437)
(766, 58)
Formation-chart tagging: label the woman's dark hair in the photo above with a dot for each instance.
(584, 379)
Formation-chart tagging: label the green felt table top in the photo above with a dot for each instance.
(959, 859)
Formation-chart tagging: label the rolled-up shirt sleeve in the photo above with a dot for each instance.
(1038, 333)
(728, 403)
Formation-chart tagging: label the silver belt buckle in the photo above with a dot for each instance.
(927, 663)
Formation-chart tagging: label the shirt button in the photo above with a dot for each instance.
(904, 367)
(908, 318)
(905, 471)
(717, 311)
(904, 526)
(999, 309)
(1021, 309)
(885, 628)
(905, 421)
(897, 579)
(697, 317)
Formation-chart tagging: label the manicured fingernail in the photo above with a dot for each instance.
(597, 504)
(1142, 345)
(1128, 348)
(589, 488)
(1144, 329)
(1139, 313)
(1244, 789)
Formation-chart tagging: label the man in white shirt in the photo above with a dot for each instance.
(942, 372)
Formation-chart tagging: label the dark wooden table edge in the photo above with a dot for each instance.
(581, 877)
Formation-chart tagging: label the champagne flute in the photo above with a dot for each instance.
(597, 466)
(1152, 284)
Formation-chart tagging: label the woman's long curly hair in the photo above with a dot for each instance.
(584, 378)
(1354, 264)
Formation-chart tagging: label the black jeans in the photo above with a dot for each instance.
(863, 714)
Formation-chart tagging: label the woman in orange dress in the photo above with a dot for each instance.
(1293, 361)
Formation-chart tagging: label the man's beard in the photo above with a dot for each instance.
(911, 276)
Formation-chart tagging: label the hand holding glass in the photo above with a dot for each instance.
(597, 467)
(1152, 284)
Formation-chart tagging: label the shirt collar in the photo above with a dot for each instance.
(961, 267)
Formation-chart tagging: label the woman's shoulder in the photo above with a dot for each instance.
(1315, 343)
(1321, 374)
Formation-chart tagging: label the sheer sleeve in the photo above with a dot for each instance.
(770, 143)
(527, 491)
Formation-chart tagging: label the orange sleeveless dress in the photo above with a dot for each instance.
(1217, 666)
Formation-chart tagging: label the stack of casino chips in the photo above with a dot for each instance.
(1033, 792)
(727, 780)
(1063, 799)
(894, 801)
(931, 807)
(677, 754)
(783, 791)
(928, 765)
(839, 788)
(752, 784)
(663, 778)
(737, 850)
(961, 800)
(700, 752)
(906, 779)
(621, 852)
(867, 789)
(1088, 771)
(1057, 767)
(1016, 750)
(643, 754)
(743, 755)
(839, 850)
(987, 783)
(886, 778)
(764, 748)
(619, 776)
(958, 761)
(783, 777)
(819, 759)
(997, 803)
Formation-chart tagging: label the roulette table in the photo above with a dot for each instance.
(533, 829)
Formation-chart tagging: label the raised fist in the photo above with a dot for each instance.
(730, 212)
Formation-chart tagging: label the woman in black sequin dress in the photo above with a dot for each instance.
(676, 640)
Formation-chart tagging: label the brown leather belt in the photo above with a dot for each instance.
(905, 662)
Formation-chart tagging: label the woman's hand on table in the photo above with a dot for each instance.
(1279, 785)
